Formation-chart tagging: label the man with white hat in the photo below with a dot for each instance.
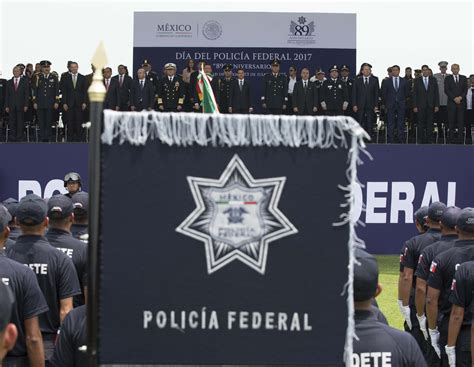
(442, 114)
(170, 90)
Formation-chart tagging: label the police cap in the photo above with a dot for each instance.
(45, 63)
(11, 204)
(465, 220)
(145, 62)
(275, 63)
(366, 276)
(319, 71)
(60, 207)
(5, 218)
(334, 68)
(421, 214)
(32, 210)
(80, 201)
(344, 67)
(227, 67)
(450, 216)
(435, 210)
(443, 64)
(170, 66)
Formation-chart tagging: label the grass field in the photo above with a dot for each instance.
(389, 270)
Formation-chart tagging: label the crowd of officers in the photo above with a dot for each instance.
(412, 103)
(436, 284)
(46, 323)
(43, 312)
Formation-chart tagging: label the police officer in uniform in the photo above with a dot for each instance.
(275, 88)
(72, 183)
(349, 82)
(442, 115)
(421, 226)
(407, 284)
(30, 303)
(334, 96)
(61, 218)
(70, 349)
(318, 80)
(460, 321)
(151, 76)
(12, 205)
(45, 100)
(225, 87)
(171, 90)
(54, 271)
(378, 343)
(448, 236)
(442, 270)
(8, 332)
(80, 227)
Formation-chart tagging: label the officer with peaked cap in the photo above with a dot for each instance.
(442, 114)
(349, 82)
(318, 78)
(151, 75)
(333, 95)
(275, 87)
(54, 270)
(61, 218)
(378, 344)
(45, 99)
(30, 303)
(171, 90)
(438, 306)
(225, 85)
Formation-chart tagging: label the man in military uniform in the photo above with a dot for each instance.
(318, 80)
(345, 72)
(45, 100)
(275, 89)
(305, 95)
(171, 90)
(224, 89)
(334, 96)
(438, 306)
(151, 75)
(442, 115)
(377, 342)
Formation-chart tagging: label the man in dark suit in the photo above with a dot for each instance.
(305, 97)
(275, 90)
(333, 94)
(365, 98)
(112, 95)
(74, 102)
(124, 82)
(455, 87)
(45, 99)
(16, 103)
(3, 93)
(469, 120)
(214, 85)
(239, 100)
(425, 104)
(171, 90)
(395, 91)
(142, 92)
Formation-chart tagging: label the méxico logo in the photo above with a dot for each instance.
(236, 217)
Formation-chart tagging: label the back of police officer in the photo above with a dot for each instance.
(12, 204)
(54, 271)
(29, 304)
(72, 339)
(378, 344)
(61, 218)
(80, 227)
(442, 271)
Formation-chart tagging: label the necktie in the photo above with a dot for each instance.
(396, 84)
(456, 77)
(107, 84)
(121, 80)
(366, 81)
(74, 81)
(472, 98)
(16, 84)
(241, 84)
(141, 84)
(426, 83)
(305, 84)
(171, 78)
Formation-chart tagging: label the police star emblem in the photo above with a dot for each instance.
(236, 216)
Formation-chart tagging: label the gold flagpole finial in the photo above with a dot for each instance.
(99, 60)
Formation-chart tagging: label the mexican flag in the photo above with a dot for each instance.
(205, 93)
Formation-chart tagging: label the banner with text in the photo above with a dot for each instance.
(247, 40)
(394, 185)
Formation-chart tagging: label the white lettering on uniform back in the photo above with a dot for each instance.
(6, 281)
(39, 269)
(67, 251)
(373, 359)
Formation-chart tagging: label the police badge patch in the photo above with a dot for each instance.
(236, 216)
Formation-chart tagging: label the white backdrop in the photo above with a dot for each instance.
(388, 32)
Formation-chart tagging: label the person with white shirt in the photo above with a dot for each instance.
(124, 82)
(16, 104)
(442, 115)
(425, 104)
